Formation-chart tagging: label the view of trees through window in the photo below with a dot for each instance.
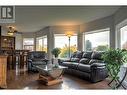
(97, 41)
(41, 44)
(62, 42)
(28, 44)
(123, 32)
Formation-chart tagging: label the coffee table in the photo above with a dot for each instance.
(50, 75)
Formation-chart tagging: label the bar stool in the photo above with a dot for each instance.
(11, 59)
(17, 54)
(25, 57)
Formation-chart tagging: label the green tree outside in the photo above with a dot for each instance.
(102, 48)
(65, 51)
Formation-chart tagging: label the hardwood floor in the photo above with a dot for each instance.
(21, 79)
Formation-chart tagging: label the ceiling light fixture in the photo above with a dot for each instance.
(11, 30)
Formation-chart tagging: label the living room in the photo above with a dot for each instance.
(42, 29)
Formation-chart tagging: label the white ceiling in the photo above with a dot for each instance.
(34, 18)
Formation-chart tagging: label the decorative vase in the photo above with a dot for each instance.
(55, 62)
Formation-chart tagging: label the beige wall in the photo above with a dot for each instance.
(120, 15)
(63, 29)
(42, 32)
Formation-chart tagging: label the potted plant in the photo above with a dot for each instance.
(55, 52)
(114, 58)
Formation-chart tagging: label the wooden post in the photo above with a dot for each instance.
(0, 37)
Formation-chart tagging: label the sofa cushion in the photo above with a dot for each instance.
(74, 59)
(87, 55)
(72, 65)
(95, 61)
(67, 64)
(84, 68)
(37, 59)
(97, 55)
(84, 61)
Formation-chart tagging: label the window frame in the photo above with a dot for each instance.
(42, 37)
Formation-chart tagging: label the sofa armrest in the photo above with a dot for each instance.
(98, 72)
(98, 65)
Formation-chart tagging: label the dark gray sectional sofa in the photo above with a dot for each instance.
(87, 65)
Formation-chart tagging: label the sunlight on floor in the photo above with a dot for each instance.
(66, 87)
(26, 88)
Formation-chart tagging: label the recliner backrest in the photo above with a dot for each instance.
(85, 58)
(37, 54)
(87, 55)
(96, 57)
(76, 56)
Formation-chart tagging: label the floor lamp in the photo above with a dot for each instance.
(69, 34)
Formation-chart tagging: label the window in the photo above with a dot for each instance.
(123, 33)
(28, 44)
(96, 40)
(121, 42)
(41, 44)
(62, 41)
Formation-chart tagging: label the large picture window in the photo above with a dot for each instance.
(62, 42)
(123, 33)
(41, 43)
(96, 40)
(28, 44)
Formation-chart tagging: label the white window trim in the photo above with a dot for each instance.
(97, 31)
(42, 37)
(118, 34)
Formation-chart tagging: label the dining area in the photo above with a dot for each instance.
(16, 57)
